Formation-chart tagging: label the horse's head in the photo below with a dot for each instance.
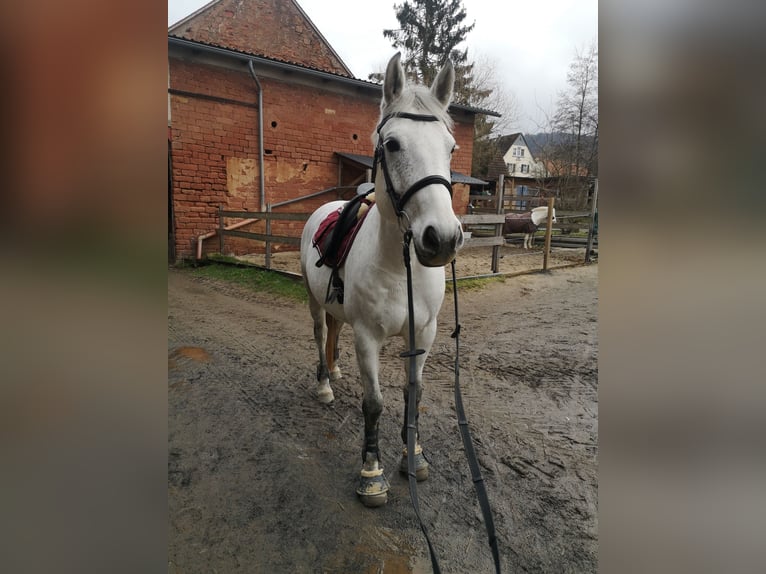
(413, 148)
(540, 214)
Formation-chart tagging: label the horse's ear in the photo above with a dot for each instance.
(393, 84)
(443, 84)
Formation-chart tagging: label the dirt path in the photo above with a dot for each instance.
(261, 476)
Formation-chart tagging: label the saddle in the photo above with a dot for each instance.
(335, 235)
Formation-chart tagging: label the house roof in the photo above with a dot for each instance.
(194, 14)
(505, 142)
(260, 59)
(367, 161)
(234, 24)
(496, 167)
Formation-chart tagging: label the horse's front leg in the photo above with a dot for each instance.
(424, 340)
(373, 485)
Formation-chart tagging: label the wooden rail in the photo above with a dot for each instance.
(267, 237)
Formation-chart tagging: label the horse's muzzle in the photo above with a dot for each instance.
(435, 249)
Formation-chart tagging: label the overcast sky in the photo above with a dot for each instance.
(530, 43)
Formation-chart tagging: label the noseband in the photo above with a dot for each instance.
(400, 200)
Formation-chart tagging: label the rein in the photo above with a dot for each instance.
(399, 201)
(465, 433)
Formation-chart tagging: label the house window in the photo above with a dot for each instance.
(511, 167)
(524, 168)
(518, 152)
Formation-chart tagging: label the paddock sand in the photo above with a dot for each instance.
(261, 476)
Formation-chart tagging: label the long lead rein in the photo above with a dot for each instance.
(478, 480)
(465, 433)
(412, 392)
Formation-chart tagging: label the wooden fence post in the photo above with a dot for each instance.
(500, 199)
(591, 230)
(548, 233)
(268, 232)
(220, 229)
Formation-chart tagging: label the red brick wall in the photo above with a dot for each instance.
(274, 28)
(215, 149)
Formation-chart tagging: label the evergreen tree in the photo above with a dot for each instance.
(429, 34)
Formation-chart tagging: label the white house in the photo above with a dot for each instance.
(518, 159)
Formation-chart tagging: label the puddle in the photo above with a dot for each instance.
(196, 354)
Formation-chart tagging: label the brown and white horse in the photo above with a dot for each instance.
(527, 223)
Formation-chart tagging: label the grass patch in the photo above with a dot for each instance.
(474, 284)
(256, 279)
(265, 281)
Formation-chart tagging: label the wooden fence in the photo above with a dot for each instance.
(267, 237)
(482, 217)
(567, 221)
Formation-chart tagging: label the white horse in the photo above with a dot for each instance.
(527, 223)
(414, 143)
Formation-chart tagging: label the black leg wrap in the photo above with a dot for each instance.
(370, 445)
(404, 426)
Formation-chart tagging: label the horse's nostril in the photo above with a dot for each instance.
(431, 239)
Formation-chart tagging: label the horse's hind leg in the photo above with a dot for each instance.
(324, 391)
(331, 347)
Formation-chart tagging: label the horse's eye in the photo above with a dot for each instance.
(391, 145)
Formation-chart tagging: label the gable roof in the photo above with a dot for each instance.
(497, 164)
(273, 28)
(504, 143)
(243, 57)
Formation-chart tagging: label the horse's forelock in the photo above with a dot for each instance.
(418, 99)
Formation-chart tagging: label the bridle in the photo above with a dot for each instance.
(399, 201)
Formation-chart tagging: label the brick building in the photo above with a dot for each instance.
(262, 110)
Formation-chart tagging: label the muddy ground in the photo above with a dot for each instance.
(261, 476)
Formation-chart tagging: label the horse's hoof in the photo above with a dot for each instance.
(421, 464)
(374, 500)
(335, 374)
(324, 393)
(373, 488)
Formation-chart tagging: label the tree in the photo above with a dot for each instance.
(576, 116)
(569, 147)
(486, 128)
(430, 33)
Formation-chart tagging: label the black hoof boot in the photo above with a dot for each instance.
(373, 488)
(421, 464)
